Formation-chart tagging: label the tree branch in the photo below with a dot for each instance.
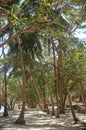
(35, 28)
(2, 2)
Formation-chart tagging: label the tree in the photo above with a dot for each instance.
(34, 21)
(5, 86)
(20, 119)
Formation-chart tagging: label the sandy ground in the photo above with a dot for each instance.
(41, 121)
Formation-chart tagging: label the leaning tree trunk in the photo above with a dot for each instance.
(20, 119)
(5, 87)
(71, 107)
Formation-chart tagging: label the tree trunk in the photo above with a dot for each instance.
(39, 97)
(11, 103)
(83, 95)
(52, 102)
(0, 102)
(48, 111)
(49, 90)
(44, 99)
(5, 88)
(71, 107)
(30, 103)
(60, 78)
(20, 119)
(55, 79)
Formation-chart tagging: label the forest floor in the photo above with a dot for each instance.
(41, 121)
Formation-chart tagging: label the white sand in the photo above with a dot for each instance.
(41, 121)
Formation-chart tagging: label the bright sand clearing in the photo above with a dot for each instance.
(41, 121)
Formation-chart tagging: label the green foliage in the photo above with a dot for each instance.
(41, 21)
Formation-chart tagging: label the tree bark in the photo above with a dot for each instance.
(55, 81)
(21, 119)
(44, 98)
(5, 87)
(83, 95)
(71, 107)
(60, 78)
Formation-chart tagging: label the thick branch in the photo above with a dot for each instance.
(4, 28)
(30, 30)
(35, 28)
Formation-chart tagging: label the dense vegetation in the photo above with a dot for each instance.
(42, 61)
